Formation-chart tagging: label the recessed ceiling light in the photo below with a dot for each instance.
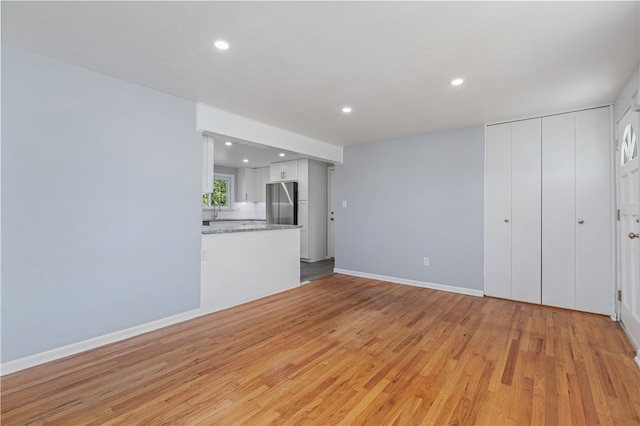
(457, 82)
(346, 110)
(245, 161)
(227, 143)
(282, 154)
(221, 44)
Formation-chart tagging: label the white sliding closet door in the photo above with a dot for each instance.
(526, 210)
(594, 212)
(512, 211)
(577, 211)
(558, 211)
(497, 251)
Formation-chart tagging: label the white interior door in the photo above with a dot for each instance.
(497, 241)
(629, 205)
(594, 212)
(330, 212)
(558, 211)
(526, 210)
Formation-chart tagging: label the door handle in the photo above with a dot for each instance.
(632, 235)
(506, 220)
(581, 222)
(331, 219)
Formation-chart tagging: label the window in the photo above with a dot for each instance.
(222, 195)
(629, 144)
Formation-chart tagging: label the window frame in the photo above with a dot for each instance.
(230, 192)
(629, 145)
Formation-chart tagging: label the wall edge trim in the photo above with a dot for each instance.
(95, 342)
(415, 283)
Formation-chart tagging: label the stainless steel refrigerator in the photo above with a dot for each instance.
(282, 203)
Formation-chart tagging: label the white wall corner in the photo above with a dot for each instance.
(210, 119)
(415, 283)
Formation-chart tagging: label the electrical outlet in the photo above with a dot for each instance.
(204, 254)
(425, 261)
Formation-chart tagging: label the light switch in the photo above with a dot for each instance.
(344, 204)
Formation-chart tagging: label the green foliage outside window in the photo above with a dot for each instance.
(219, 195)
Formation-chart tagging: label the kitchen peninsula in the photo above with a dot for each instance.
(246, 260)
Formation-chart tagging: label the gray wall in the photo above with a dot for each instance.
(414, 197)
(100, 204)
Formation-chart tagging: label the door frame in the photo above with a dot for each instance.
(617, 283)
(331, 230)
(618, 227)
(617, 145)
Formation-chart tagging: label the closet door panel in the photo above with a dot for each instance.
(526, 157)
(594, 212)
(558, 210)
(497, 274)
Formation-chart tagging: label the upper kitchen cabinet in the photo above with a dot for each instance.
(303, 179)
(207, 164)
(265, 178)
(283, 171)
(252, 184)
(247, 185)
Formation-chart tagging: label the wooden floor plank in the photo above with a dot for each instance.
(346, 350)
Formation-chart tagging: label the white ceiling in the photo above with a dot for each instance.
(295, 64)
(258, 155)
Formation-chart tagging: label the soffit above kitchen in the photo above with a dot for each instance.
(295, 65)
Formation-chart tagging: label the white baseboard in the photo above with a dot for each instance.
(423, 284)
(632, 342)
(85, 345)
(116, 336)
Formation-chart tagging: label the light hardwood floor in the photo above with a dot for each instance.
(345, 350)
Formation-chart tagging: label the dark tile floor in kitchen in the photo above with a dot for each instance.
(316, 270)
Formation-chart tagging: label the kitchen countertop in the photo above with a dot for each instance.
(225, 227)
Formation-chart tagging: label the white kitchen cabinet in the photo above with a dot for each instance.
(312, 209)
(548, 211)
(577, 213)
(247, 185)
(303, 179)
(207, 164)
(303, 220)
(265, 178)
(284, 171)
(512, 211)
